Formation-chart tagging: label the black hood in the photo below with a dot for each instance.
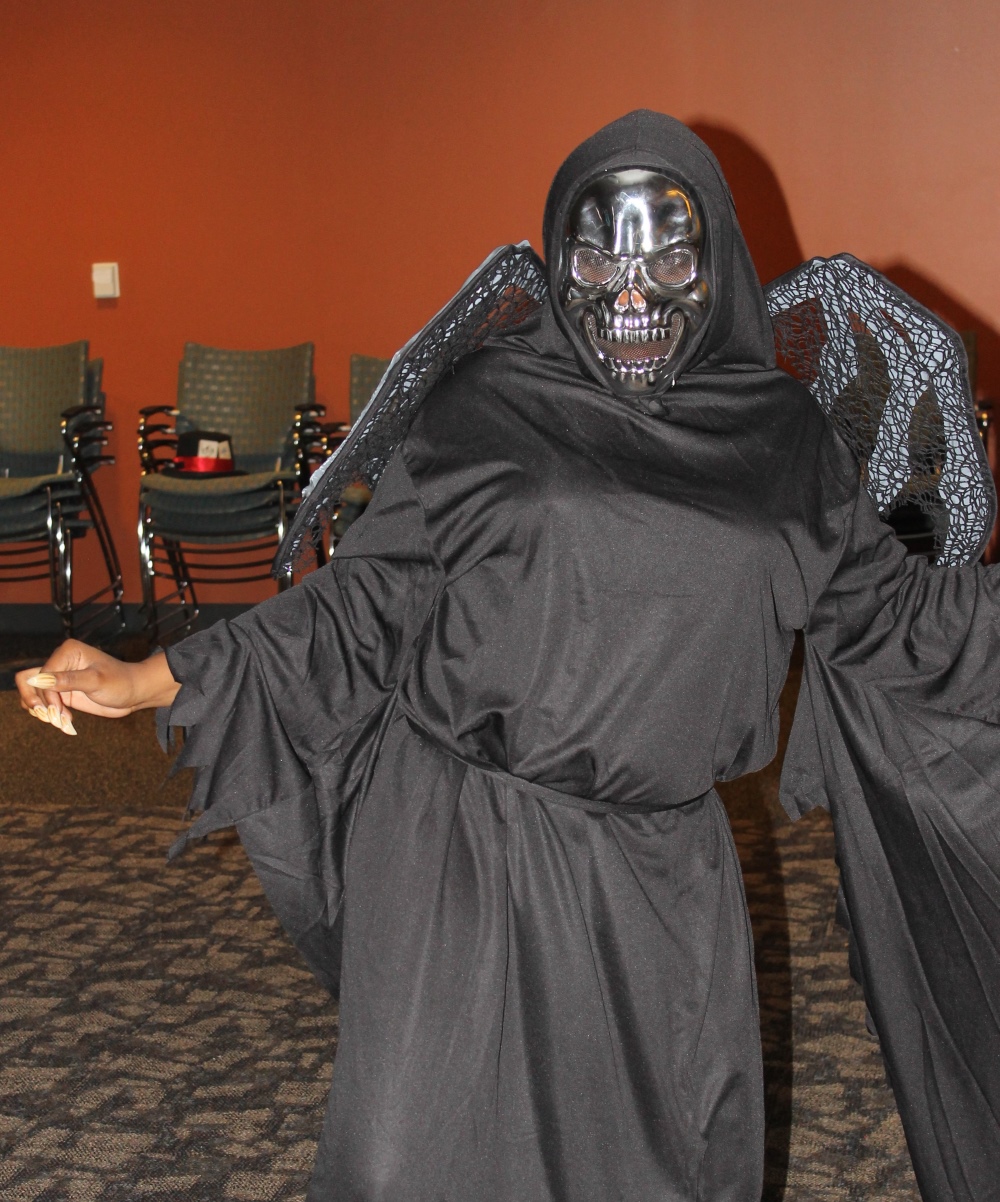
(737, 334)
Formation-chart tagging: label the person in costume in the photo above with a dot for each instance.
(473, 757)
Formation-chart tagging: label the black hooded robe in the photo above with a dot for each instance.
(473, 758)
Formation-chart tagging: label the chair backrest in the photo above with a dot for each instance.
(250, 395)
(366, 371)
(95, 379)
(36, 385)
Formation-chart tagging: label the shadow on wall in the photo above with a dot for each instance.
(931, 294)
(774, 246)
(760, 203)
(984, 364)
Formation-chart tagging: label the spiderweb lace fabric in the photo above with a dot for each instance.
(500, 295)
(893, 379)
(890, 375)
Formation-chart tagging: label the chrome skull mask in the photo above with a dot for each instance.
(631, 283)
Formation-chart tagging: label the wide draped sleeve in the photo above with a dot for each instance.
(283, 707)
(897, 733)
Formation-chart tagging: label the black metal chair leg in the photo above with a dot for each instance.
(147, 576)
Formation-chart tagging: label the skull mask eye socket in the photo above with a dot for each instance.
(674, 268)
(594, 269)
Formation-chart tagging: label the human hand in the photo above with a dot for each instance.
(77, 676)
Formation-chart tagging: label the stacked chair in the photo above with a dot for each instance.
(366, 372)
(53, 432)
(224, 529)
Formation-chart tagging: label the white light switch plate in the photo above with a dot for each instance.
(105, 277)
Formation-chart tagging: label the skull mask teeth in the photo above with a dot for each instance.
(632, 286)
(628, 350)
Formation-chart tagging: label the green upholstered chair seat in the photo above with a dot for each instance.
(214, 487)
(233, 508)
(265, 506)
(12, 487)
(24, 505)
(191, 510)
(215, 526)
(30, 527)
(208, 538)
(24, 527)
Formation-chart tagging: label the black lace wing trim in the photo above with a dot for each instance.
(894, 380)
(500, 295)
(891, 376)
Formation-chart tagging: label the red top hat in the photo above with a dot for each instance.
(204, 453)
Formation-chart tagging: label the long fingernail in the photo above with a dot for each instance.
(40, 712)
(66, 722)
(54, 715)
(42, 680)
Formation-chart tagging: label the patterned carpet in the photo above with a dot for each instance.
(159, 1040)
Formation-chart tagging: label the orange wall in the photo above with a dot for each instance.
(266, 172)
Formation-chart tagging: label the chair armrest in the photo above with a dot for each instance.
(91, 440)
(309, 447)
(76, 410)
(333, 434)
(84, 433)
(156, 437)
(306, 430)
(313, 410)
(85, 429)
(81, 420)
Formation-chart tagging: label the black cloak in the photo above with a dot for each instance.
(472, 760)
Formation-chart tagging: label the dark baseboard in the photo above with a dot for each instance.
(30, 633)
(43, 619)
